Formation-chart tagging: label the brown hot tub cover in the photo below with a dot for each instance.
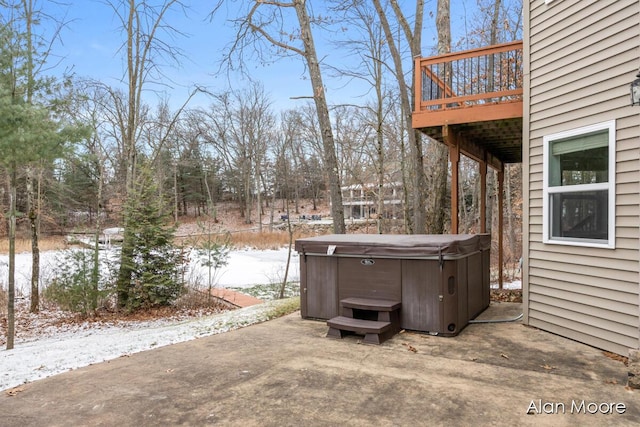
(401, 246)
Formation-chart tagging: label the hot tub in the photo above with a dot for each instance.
(442, 281)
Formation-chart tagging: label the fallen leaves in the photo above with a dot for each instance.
(506, 295)
(410, 347)
(51, 320)
(616, 357)
(14, 391)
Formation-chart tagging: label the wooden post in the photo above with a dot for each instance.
(454, 158)
(500, 224)
(483, 196)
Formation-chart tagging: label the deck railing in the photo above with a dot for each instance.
(487, 75)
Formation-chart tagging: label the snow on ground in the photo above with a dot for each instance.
(63, 351)
(245, 268)
(248, 267)
(57, 351)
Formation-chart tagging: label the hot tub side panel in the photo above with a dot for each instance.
(462, 292)
(303, 287)
(319, 287)
(421, 288)
(438, 299)
(454, 297)
(364, 277)
(486, 276)
(475, 274)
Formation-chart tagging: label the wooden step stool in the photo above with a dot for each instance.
(378, 320)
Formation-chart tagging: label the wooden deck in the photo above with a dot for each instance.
(477, 95)
(472, 101)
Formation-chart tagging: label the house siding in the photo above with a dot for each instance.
(582, 56)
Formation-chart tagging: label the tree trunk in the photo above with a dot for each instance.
(380, 145)
(248, 197)
(415, 224)
(95, 272)
(124, 275)
(11, 294)
(438, 153)
(380, 170)
(331, 162)
(32, 208)
(175, 192)
(259, 201)
(32, 212)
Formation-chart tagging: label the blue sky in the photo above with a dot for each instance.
(92, 38)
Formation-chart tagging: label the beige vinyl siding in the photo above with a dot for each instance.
(606, 293)
(583, 56)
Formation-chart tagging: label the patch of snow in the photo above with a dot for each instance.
(246, 268)
(61, 351)
(515, 284)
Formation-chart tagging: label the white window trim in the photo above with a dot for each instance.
(611, 186)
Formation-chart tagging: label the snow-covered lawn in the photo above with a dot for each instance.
(246, 268)
(64, 349)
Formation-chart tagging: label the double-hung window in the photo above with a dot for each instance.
(579, 186)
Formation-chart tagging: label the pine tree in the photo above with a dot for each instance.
(30, 130)
(154, 272)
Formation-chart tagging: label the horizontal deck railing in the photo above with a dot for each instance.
(487, 75)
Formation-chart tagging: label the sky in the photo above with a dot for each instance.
(91, 41)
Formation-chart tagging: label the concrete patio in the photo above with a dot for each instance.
(286, 372)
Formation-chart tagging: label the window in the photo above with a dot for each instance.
(579, 186)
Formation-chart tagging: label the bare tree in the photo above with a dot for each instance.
(265, 22)
(374, 58)
(437, 154)
(144, 25)
(417, 222)
(239, 125)
(306, 150)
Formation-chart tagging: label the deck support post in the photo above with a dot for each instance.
(483, 196)
(454, 158)
(500, 224)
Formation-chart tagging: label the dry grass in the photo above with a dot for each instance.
(240, 239)
(24, 245)
(264, 240)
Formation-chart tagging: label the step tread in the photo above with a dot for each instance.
(358, 325)
(370, 304)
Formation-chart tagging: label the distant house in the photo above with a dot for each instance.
(567, 116)
(361, 201)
